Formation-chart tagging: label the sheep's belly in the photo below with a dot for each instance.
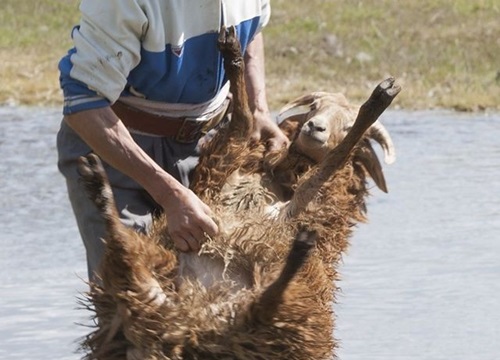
(209, 271)
(243, 198)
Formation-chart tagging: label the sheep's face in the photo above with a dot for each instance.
(324, 129)
(326, 124)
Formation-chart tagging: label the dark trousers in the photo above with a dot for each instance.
(135, 206)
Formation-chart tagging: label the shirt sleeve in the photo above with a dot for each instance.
(265, 14)
(107, 46)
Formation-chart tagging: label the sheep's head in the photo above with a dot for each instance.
(329, 119)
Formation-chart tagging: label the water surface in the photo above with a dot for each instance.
(421, 279)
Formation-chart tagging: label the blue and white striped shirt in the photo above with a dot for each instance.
(160, 50)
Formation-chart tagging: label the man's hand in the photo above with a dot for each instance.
(189, 219)
(266, 129)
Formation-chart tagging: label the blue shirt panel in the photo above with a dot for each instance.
(194, 75)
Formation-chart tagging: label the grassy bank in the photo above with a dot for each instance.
(445, 52)
(34, 34)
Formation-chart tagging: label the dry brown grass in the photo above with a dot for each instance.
(28, 82)
(445, 52)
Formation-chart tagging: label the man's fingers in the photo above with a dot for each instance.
(186, 243)
(275, 144)
(210, 228)
(192, 237)
(198, 235)
(207, 224)
(190, 223)
(274, 138)
(192, 242)
(181, 244)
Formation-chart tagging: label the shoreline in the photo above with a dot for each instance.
(274, 112)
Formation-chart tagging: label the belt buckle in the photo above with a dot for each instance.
(189, 134)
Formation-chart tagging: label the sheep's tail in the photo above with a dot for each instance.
(369, 112)
(272, 297)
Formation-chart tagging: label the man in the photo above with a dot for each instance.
(142, 84)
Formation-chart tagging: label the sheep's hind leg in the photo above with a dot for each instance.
(129, 257)
(369, 112)
(100, 192)
(128, 263)
(242, 119)
(223, 154)
(272, 297)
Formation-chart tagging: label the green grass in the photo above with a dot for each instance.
(34, 34)
(43, 25)
(445, 52)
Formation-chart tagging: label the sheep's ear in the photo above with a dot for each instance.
(370, 162)
(308, 100)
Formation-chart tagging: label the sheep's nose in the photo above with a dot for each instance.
(315, 127)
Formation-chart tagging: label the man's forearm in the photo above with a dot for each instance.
(255, 78)
(188, 217)
(103, 131)
(255, 75)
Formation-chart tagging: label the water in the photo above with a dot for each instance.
(421, 279)
(41, 258)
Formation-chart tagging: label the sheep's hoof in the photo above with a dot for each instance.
(304, 241)
(229, 45)
(378, 101)
(386, 91)
(94, 178)
(302, 245)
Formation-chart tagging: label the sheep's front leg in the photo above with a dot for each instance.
(369, 112)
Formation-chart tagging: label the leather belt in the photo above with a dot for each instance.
(182, 129)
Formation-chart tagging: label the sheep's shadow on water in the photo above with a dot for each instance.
(419, 281)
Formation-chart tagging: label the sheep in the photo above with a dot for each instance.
(263, 288)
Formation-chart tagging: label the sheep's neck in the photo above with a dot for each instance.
(285, 174)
